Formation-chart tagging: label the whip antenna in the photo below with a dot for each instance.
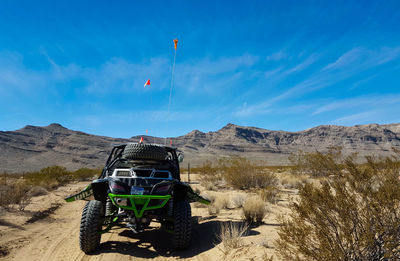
(172, 85)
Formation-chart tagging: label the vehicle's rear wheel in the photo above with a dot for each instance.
(144, 151)
(89, 235)
(182, 225)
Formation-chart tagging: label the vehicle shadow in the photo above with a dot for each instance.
(157, 243)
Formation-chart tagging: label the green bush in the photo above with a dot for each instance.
(354, 215)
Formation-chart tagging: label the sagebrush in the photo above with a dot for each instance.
(243, 174)
(353, 215)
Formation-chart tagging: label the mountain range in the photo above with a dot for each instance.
(32, 147)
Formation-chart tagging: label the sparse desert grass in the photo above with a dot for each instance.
(231, 236)
(254, 210)
(266, 257)
(290, 181)
(218, 201)
(269, 194)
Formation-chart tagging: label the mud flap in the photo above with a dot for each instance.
(87, 192)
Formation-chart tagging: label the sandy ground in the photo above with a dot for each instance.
(53, 233)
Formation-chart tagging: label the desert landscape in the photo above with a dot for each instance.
(48, 229)
(256, 213)
(200, 130)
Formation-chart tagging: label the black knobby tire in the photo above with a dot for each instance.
(110, 208)
(89, 235)
(182, 225)
(144, 151)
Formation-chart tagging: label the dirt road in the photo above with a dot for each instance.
(53, 234)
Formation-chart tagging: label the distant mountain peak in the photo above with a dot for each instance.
(229, 126)
(56, 125)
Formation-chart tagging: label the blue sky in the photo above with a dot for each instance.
(279, 65)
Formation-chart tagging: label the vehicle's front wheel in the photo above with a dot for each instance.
(182, 225)
(89, 236)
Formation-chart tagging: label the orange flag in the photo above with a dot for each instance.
(175, 43)
(141, 140)
(147, 83)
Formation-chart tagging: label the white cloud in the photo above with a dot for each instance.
(277, 56)
(361, 58)
(347, 65)
(358, 118)
(303, 65)
(346, 58)
(208, 75)
(359, 102)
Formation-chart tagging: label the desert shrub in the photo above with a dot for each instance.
(354, 215)
(222, 201)
(20, 187)
(254, 210)
(83, 174)
(15, 194)
(37, 191)
(317, 164)
(241, 173)
(298, 162)
(50, 177)
(6, 196)
(209, 176)
(231, 236)
(290, 181)
(269, 194)
(238, 200)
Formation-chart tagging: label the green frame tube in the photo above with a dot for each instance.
(140, 200)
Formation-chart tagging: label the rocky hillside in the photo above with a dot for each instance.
(32, 148)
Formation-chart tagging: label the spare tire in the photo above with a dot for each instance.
(144, 151)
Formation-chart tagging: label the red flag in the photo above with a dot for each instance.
(141, 140)
(147, 83)
(170, 142)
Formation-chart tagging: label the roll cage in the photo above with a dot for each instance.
(171, 162)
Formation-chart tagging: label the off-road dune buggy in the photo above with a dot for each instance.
(140, 183)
